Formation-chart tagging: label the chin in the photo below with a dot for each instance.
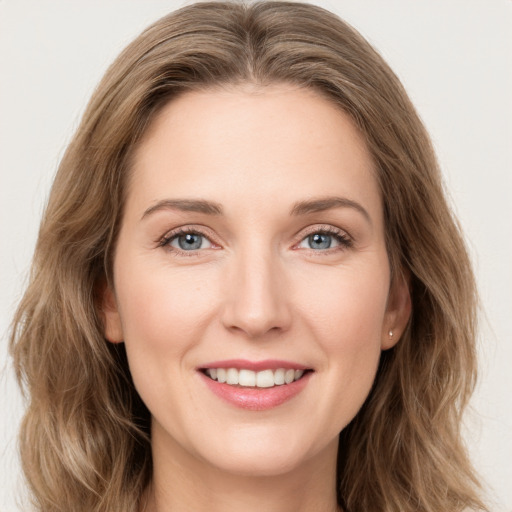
(270, 454)
(264, 465)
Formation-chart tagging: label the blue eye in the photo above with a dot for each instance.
(319, 241)
(190, 241)
(325, 239)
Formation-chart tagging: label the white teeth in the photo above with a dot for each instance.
(221, 375)
(289, 376)
(249, 378)
(232, 376)
(279, 377)
(265, 379)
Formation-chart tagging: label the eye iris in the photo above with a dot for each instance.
(189, 241)
(319, 241)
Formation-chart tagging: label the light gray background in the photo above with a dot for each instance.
(455, 59)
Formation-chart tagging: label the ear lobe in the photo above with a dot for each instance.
(398, 311)
(112, 328)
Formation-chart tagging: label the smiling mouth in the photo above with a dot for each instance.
(252, 379)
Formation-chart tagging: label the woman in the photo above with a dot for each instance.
(248, 289)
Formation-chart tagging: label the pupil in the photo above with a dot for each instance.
(189, 241)
(319, 241)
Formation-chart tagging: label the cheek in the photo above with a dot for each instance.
(345, 311)
(163, 312)
(347, 304)
(164, 315)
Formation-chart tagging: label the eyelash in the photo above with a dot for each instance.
(340, 236)
(168, 238)
(344, 240)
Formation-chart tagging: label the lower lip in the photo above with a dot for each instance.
(256, 399)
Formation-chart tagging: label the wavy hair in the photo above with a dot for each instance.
(84, 440)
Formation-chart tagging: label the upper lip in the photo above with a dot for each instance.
(256, 366)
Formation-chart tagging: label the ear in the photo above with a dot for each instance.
(398, 311)
(109, 312)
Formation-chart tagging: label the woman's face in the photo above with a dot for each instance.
(252, 245)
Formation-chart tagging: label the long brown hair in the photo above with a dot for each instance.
(84, 440)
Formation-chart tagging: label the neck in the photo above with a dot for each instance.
(182, 483)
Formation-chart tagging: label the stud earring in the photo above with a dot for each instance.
(390, 334)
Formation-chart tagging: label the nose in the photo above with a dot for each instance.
(256, 296)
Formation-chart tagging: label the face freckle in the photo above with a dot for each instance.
(253, 235)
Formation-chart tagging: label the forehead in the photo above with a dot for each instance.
(253, 145)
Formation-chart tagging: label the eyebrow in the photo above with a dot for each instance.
(327, 203)
(186, 205)
(300, 208)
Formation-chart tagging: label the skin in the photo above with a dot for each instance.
(255, 289)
